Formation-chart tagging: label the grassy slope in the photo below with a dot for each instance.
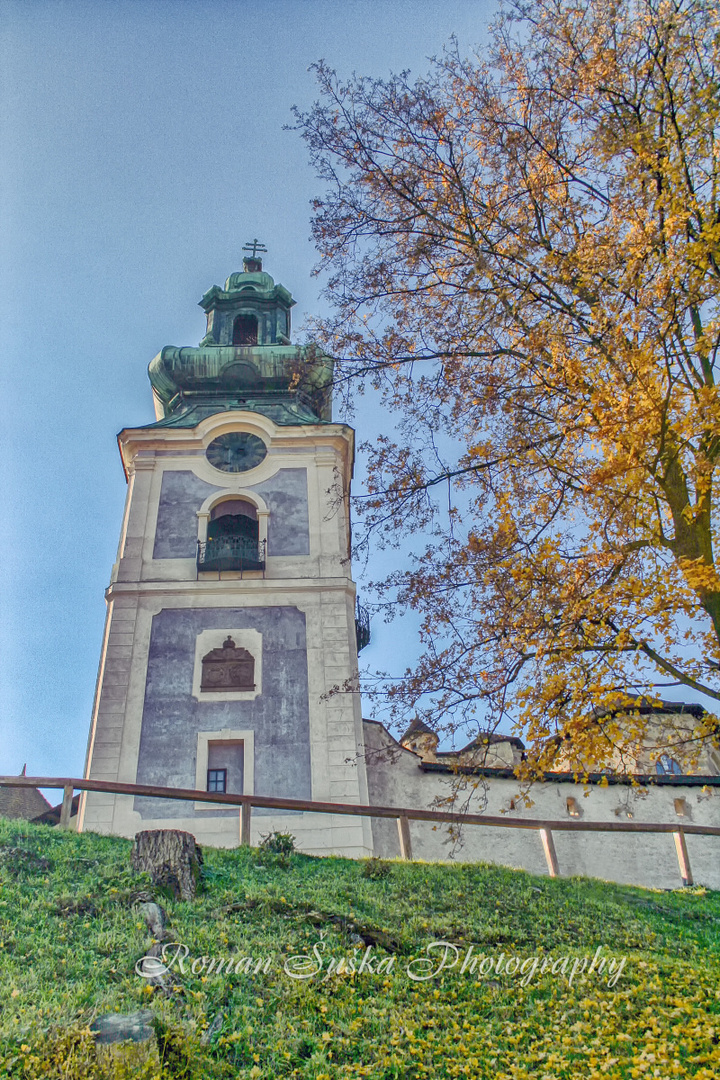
(70, 939)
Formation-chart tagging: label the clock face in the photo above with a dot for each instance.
(236, 452)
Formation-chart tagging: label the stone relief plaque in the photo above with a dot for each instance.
(228, 668)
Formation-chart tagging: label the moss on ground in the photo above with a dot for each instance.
(71, 935)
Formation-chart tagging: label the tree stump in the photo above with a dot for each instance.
(126, 1045)
(171, 858)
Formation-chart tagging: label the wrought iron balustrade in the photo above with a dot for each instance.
(362, 626)
(231, 553)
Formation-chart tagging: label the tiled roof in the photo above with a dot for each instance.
(22, 802)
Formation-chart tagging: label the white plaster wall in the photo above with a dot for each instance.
(395, 778)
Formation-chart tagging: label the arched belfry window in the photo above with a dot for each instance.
(234, 517)
(228, 668)
(245, 330)
(233, 538)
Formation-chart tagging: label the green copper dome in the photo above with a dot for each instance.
(245, 361)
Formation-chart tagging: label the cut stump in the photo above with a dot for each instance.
(130, 1027)
(171, 858)
(126, 1045)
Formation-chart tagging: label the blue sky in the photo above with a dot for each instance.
(143, 145)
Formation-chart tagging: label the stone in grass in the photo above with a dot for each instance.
(171, 858)
(155, 919)
(153, 968)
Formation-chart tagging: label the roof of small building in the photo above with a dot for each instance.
(644, 706)
(52, 815)
(483, 739)
(417, 727)
(486, 738)
(444, 763)
(26, 803)
(601, 778)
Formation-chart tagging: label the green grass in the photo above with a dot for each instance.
(70, 936)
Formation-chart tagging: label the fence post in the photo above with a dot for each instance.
(66, 811)
(404, 833)
(245, 812)
(683, 857)
(550, 854)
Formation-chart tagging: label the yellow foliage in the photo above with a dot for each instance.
(541, 289)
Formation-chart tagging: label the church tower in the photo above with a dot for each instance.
(231, 608)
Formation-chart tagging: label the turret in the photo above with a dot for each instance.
(421, 740)
(245, 361)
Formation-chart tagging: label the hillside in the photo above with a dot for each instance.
(71, 933)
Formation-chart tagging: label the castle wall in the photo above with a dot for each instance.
(396, 778)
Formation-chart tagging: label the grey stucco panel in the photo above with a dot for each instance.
(172, 717)
(182, 494)
(287, 497)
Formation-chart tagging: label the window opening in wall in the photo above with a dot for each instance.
(228, 758)
(233, 538)
(245, 330)
(217, 781)
(667, 766)
(234, 517)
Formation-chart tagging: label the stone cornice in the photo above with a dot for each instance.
(226, 586)
(339, 437)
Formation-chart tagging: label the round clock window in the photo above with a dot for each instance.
(236, 452)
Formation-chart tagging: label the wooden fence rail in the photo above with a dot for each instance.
(403, 815)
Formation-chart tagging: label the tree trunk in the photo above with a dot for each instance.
(171, 858)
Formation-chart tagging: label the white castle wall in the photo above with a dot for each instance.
(396, 778)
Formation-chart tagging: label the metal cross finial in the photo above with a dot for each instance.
(254, 246)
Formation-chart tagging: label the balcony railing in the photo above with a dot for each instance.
(362, 626)
(231, 553)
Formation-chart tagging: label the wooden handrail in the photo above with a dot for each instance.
(403, 815)
(353, 809)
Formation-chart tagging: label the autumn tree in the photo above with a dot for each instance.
(523, 250)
